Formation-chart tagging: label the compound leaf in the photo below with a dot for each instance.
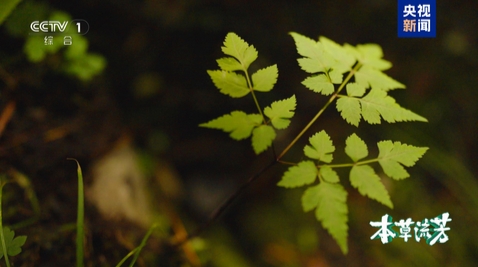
(238, 48)
(238, 123)
(321, 148)
(229, 64)
(280, 112)
(319, 84)
(229, 83)
(377, 103)
(368, 76)
(355, 148)
(344, 58)
(303, 173)
(264, 79)
(392, 155)
(262, 138)
(328, 174)
(330, 200)
(316, 58)
(369, 55)
(368, 183)
(13, 244)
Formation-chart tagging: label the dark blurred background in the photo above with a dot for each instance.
(155, 89)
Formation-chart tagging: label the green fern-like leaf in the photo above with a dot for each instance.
(262, 138)
(229, 64)
(238, 48)
(370, 74)
(370, 77)
(321, 147)
(328, 174)
(280, 112)
(377, 102)
(320, 84)
(345, 60)
(349, 109)
(304, 173)
(392, 155)
(355, 89)
(368, 184)
(319, 58)
(355, 148)
(12, 243)
(375, 105)
(264, 80)
(238, 124)
(369, 55)
(229, 83)
(331, 209)
(316, 59)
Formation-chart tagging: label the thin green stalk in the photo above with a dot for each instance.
(127, 257)
(143, 243)
(331, 99)
(249, 84)
(138, 249)
(344, 165)
(80, 230)
(2, 237)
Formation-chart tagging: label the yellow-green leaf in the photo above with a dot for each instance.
(330, 200)
(229, 83)
(262, 138)
(238, 124)
(321, 147)
(377, 103)
(328, 174)
(229, 64)
(316, 58)
(392, 155)
(349, 109)
(264, 79)
(238, 48)
(280, 112)
(355, 148)
(364, 178)
(319, 84)
(305, 172)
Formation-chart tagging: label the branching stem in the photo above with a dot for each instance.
(331, 99)
(218, 212)
(277, 159)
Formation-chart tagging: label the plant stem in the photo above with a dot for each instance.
(80, 231)
(352, 164)
(143, 243)
(249, 84)
(331, 99)
(2, 236)
(218, 212)
(127, 257)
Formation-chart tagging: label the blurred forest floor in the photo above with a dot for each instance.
(155, 91)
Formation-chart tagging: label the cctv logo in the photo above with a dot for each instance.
(48, 26)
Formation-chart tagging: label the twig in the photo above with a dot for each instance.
(220, 210)
(6, 115)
